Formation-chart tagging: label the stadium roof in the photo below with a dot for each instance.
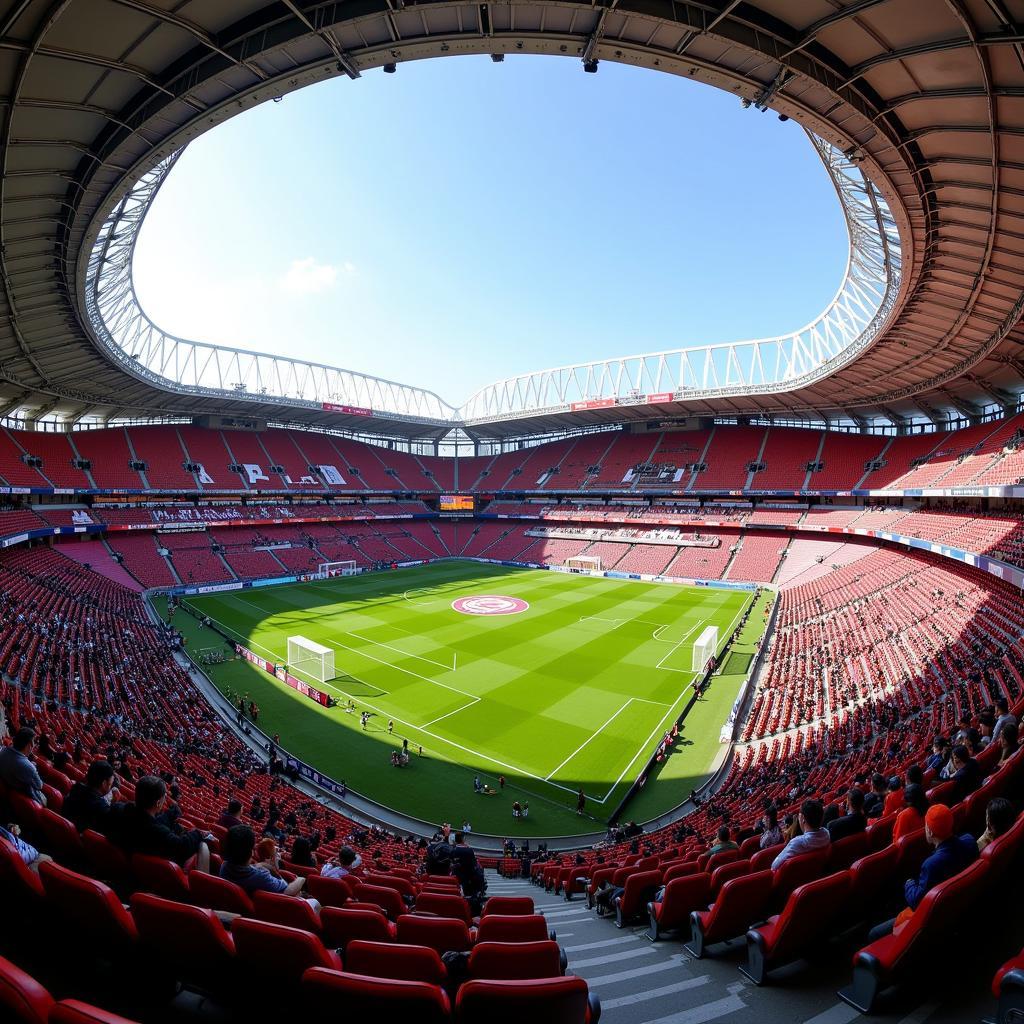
(925, 98)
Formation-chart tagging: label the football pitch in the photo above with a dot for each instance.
(565, 682)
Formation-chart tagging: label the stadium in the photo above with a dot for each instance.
(669, 688)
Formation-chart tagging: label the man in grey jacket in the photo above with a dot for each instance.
(17, 769)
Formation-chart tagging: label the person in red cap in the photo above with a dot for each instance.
(952, 854)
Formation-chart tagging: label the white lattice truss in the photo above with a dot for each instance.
(847, 326)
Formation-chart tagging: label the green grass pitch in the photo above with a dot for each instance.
(572, 692)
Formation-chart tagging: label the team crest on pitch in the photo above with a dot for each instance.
(490, 604)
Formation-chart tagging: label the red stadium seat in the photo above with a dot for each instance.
(516, 961)
(340, 925)
(440, 933)
(332, 995)
(545, 1001)
(741, 902)
(22, 998)
(330, 892)
(387, 899)
(444, 906)
(682, 897)
(513, 928)
(191, 941)
(395, 960)
(810, 912)
(160, 877)
(89, 909)
(293, 911)
(219, 894)
(60, 838)
(274, 957)
(71, 1011)
(507, 906)
(106, 860)
(639, 888)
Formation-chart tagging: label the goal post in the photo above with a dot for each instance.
(310, 658)
(704, 649)
(326, 570)
(583, 563)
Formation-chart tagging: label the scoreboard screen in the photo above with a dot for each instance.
(456, 503)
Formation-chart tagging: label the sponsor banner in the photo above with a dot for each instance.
(346, 410)
(409, 565)
(660, 398)
(214, 588)
(274, 580)
(254, 658)
(593, 403)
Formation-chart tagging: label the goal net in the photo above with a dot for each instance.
(311, 659)
(704, 648)
(583, 563)
(325, 570)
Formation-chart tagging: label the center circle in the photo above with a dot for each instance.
(490, 604)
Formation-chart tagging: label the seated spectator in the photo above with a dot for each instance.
(893, 797)
(853, 821)
(952, 854)
(89, 804)
(267, 855)
(17, 769)
(1003, 718)
(939, 757)
(724, 842)
(915, 807)
(874, 800)
(238, 867)
(136, 829)
(28, 853)
(999, 818)
(229, 817)
(967, 773)
(1008, 743)
(915, 777)
(345, 863)
(302, 853)
(812, 836)
(771, 834)
(273, 828)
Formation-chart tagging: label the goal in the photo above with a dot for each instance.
(311, 659)
(583, 563)
(704, 648)
(325, 570)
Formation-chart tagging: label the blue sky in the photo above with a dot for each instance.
(462, 221)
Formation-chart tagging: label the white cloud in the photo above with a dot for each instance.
(307, 277)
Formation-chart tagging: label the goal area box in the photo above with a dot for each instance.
(583, 563)
(326, 570)
(310, 658)
(704, 648)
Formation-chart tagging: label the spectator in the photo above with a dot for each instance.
(344, 864)
(88, 805)
(137, 828)
(911, 818)
(273, 829)
(812, 836)
(853, 821)
(952, 854)
(238, 867)
(229, 817)
(1008, 743)
(874, 801)
(771, 834)
(967, 773)
(302, 853)
(266, 855)
(894, 796)
(724, 842)
(939, 757)
(999, 818)
(17, 769)
(1003, 719)
(28, 853)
